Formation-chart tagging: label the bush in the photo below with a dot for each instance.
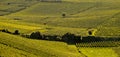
(36, 35)
(90, 32)
(68, 37)
(63, 15)
(16, 32)
(6, 30)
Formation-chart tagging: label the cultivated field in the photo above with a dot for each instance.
(29, 16)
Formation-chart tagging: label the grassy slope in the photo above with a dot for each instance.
(6, 51)
(54, 9)
(12, 6)
(100, 17)
(34, 47)
(13, 25)
(98, 14)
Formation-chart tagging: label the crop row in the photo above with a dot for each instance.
(99, 44)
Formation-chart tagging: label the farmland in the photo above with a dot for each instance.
(98, 52)
(29, 16)
(36, 48)
(99, 16)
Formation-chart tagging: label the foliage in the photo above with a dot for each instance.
(36, 35)
(16, 32)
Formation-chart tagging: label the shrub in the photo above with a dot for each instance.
(63, 15)
(6, 30)
(90, 32)
(3, 30)
(68, 37)
(36, 35)
(16, 32)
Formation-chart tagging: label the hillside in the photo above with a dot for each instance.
(80, 16)
(33, 48)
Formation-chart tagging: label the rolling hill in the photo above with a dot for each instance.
(28, 16)
(78, 15)
(33, 48)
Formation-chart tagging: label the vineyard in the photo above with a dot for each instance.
(98, 52)
(100, 48)
(99, 44)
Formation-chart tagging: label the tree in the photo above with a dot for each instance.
(16, 32)
(63, 15)
(36, 35)
(69, 38)
(6, 31)
(90, 32)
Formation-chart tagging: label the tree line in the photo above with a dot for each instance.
(67, 37)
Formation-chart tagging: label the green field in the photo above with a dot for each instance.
(102, 16)
(29, 16)
(98, 52)
(36, 48)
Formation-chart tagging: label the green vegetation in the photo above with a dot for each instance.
(6, 51)
(98, 44)
(98, 52)
(27, 16)
(117, 49)
(12, 6)
(99, 14)
(37, 48)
